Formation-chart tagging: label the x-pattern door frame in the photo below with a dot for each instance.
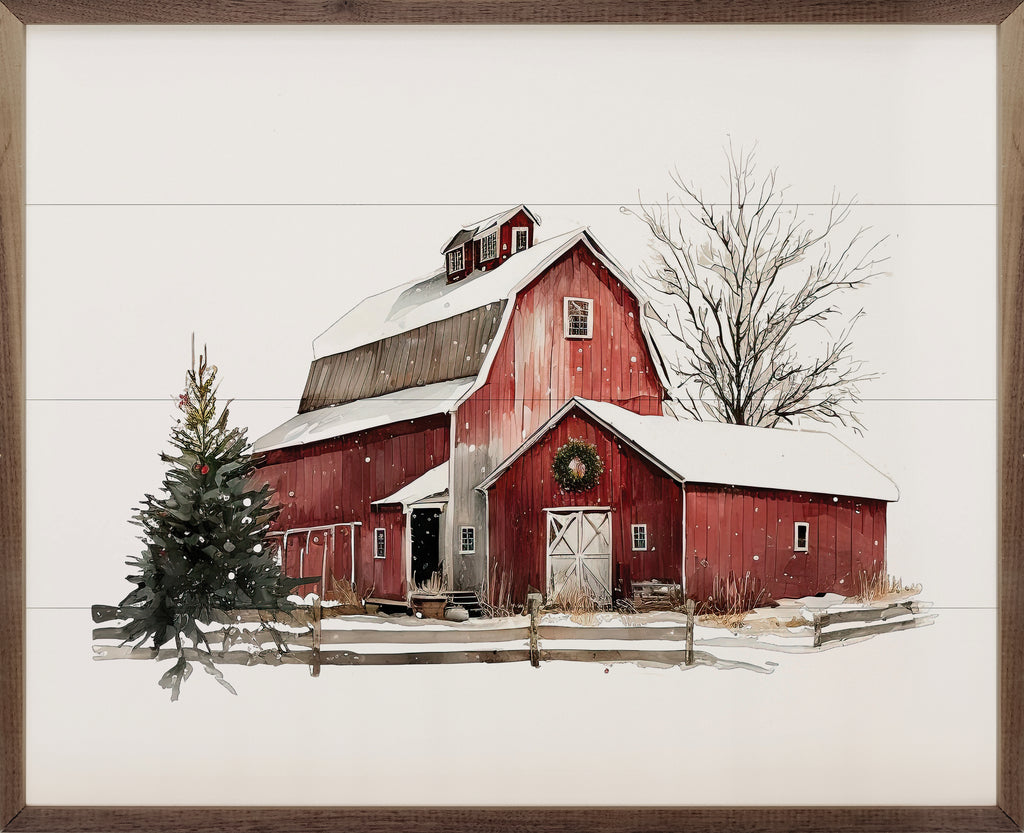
(577, 519)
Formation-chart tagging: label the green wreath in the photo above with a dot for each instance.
(576, 466)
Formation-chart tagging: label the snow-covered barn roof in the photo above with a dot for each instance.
(431, 484)
(732, 455)
(432, 299)
(474, 229)
(423, 302)
(340, 420)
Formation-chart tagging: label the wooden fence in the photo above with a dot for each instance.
(301, 638)
(852, 624)
(317, 646)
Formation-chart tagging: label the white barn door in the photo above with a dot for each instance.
(580, 553)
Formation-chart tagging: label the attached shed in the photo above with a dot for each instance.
(685, 502)
(347, 479)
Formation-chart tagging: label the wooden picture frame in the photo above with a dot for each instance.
(1006, 815)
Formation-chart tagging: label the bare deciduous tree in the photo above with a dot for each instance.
(746, 288)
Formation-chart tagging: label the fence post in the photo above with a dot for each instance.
(690, 606)
(314, 660)
(817, 630)
(533, 603)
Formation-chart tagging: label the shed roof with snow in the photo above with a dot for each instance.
(431, 485)
(340, 420)
(734, 455)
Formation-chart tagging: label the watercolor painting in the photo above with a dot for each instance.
(651, 407)
(538, 453)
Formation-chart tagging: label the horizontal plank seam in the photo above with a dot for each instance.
(169, 399)
(795, 203)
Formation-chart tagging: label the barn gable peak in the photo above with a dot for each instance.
(485, 244)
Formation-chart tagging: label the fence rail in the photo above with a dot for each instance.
(871, 621)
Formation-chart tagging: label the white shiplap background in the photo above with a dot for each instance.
(250, 185)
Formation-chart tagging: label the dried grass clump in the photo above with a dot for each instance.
(433, 586)
(723, 620)
(343, 592)
(882, 587)
(502, 609)
(350, 600)
(578, 602)
(732, 599)
(500, 589)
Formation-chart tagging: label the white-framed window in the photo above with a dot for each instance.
(639, 537)
(579, 317)
(489, 246)
(801, 533)
(468, 539)
(455, 261)
(520, 239)
(380, 542)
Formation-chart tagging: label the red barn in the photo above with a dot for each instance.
(431, 411)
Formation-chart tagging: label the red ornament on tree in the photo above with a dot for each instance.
(205, 470)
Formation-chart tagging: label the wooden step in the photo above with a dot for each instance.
(467, 599)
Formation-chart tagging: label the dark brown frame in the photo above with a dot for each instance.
(1007, 815)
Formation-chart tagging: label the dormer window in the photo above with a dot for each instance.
(489, 246)
(486, 243)
(520, 239)
(579, 317)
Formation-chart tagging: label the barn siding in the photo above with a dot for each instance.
(535, 371)
(331, 482)
(738, 530)
(636, 491)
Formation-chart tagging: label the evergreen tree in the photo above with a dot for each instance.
(205, 537)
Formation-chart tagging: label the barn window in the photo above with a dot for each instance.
(455, 261)
(380, 543)
(639, 537)
(489, 246)
(520, 239)
(579, 317)
(800, 533)
(468, 540)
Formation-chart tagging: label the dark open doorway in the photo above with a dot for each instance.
(425, 526)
